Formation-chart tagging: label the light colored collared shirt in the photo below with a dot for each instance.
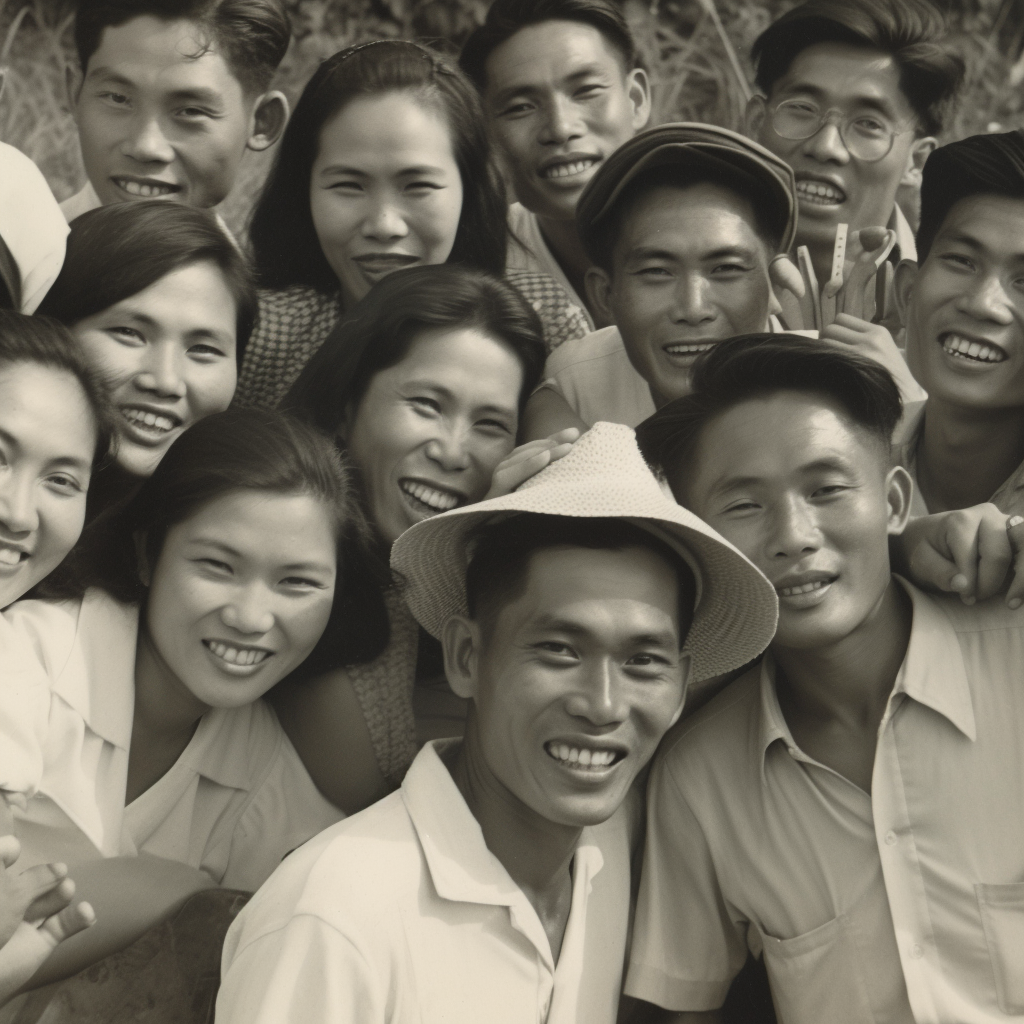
(598, 382)
(233, 804)
(30, 225)
(527, 250)
(402, 914)
(1008, 497)
(905, 905)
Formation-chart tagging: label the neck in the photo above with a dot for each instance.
(850, 680)
(537, 853)
(963, 455)
(166, 711)
(565, 245)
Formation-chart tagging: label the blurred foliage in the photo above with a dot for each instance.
(695, 51)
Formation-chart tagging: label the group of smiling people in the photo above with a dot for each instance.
(505, 594)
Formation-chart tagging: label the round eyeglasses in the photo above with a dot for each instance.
(866, 135)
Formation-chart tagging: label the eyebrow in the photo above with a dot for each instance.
(129, 315)
(231, 552)
(871, 102)
(645, 252)
(664, 638)
(440, 389)
(962, 237)
(201, 94)
(528, 89)
(827, 464)
(61, 460)
(355, 172)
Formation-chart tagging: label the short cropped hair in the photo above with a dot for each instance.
(755, 366)
(981, 165)
(252, 35)
(42, 341)
(910, 31)
(501, 552)
(117, 251)
(766, 223)
(506, 17)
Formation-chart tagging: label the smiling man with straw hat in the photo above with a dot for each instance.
(494, 886)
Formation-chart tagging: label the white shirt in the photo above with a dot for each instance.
(527, 250)
(903, 905)
(401, 914)
(31, 225)
(233, 804)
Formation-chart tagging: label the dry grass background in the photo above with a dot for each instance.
(695, 51)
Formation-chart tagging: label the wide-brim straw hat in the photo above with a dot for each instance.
(603, 475)
(718, 153)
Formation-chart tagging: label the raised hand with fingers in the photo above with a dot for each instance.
(875, 342)
(529, 459)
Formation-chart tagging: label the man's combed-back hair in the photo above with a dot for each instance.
(284, 240)
(506, 17)
(42, 341)
(756, 366)
(981, 165)
(911, 31)
(240, 450)
(117, 251)
(500, 552)
(251, 35)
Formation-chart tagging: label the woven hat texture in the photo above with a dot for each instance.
(688, 144)
(604, 475)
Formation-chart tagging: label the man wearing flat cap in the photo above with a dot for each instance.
(573, 613)
(686, 225)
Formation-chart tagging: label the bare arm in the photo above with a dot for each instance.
(547, 412)
(129, 895)
(324, 720)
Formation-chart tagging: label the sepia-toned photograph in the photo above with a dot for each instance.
(511, 511)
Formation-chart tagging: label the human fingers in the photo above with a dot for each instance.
(513, 472)
(52, 901)
(960, 539)
(1015, 533)
(995, 553)
(784, 274)
(68, 922)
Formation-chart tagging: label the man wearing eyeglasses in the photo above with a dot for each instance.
(855, 92)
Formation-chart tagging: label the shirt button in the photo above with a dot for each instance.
(890, 840)
(917, 952)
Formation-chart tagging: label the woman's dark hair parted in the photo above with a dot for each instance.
(285, 245)
(382, 326)
(115, 252)
(239, 450)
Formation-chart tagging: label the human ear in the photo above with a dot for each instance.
(754, 116)
(919, 153)
(899, 488)
(145, 570)
(638, 89)
(460, 640)
(903, 287)
(269, 117)
(597, 283)
(686, 669)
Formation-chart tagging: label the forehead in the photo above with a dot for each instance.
(148, 52)
(845, 75)
(991, 223)
(689, 221)
(45, 411)
(547, 53)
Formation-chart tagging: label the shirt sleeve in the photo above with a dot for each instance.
(687, 945)
(304, 973)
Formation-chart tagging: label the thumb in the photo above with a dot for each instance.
(784, 274)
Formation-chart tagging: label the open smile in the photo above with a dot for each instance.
(568, 169)
(819, 192)
(806, 589)
(149, 426)
(145, 188)
(688, 350)
(237, 658)
(971, 350)
(427, 499)
(11, 557)
(583, 758)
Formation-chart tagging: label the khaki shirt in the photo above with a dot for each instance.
(905, 905)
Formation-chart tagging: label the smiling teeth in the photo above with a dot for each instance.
(963, 348)
(566, 170)
(819, 192)
(689, 350)
(581, 756)
(235, 655)
(136, 188)
(141, 418)
(439, 501)
(11, 556)
(805, 588)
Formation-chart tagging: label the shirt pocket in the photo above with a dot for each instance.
(1002, 917)
(816, 978)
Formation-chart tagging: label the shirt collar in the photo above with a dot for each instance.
(932, 673)
(214, 750)
(461, 866)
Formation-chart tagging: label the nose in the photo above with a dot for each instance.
(147, 143)
(18, 512)
(449, 448)
(987, 300)
(384, 222)
(692, 305)
(162, 371)
(250, 611)
(600, 698)
(826, 145)
(562, 122)
(795, 530)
